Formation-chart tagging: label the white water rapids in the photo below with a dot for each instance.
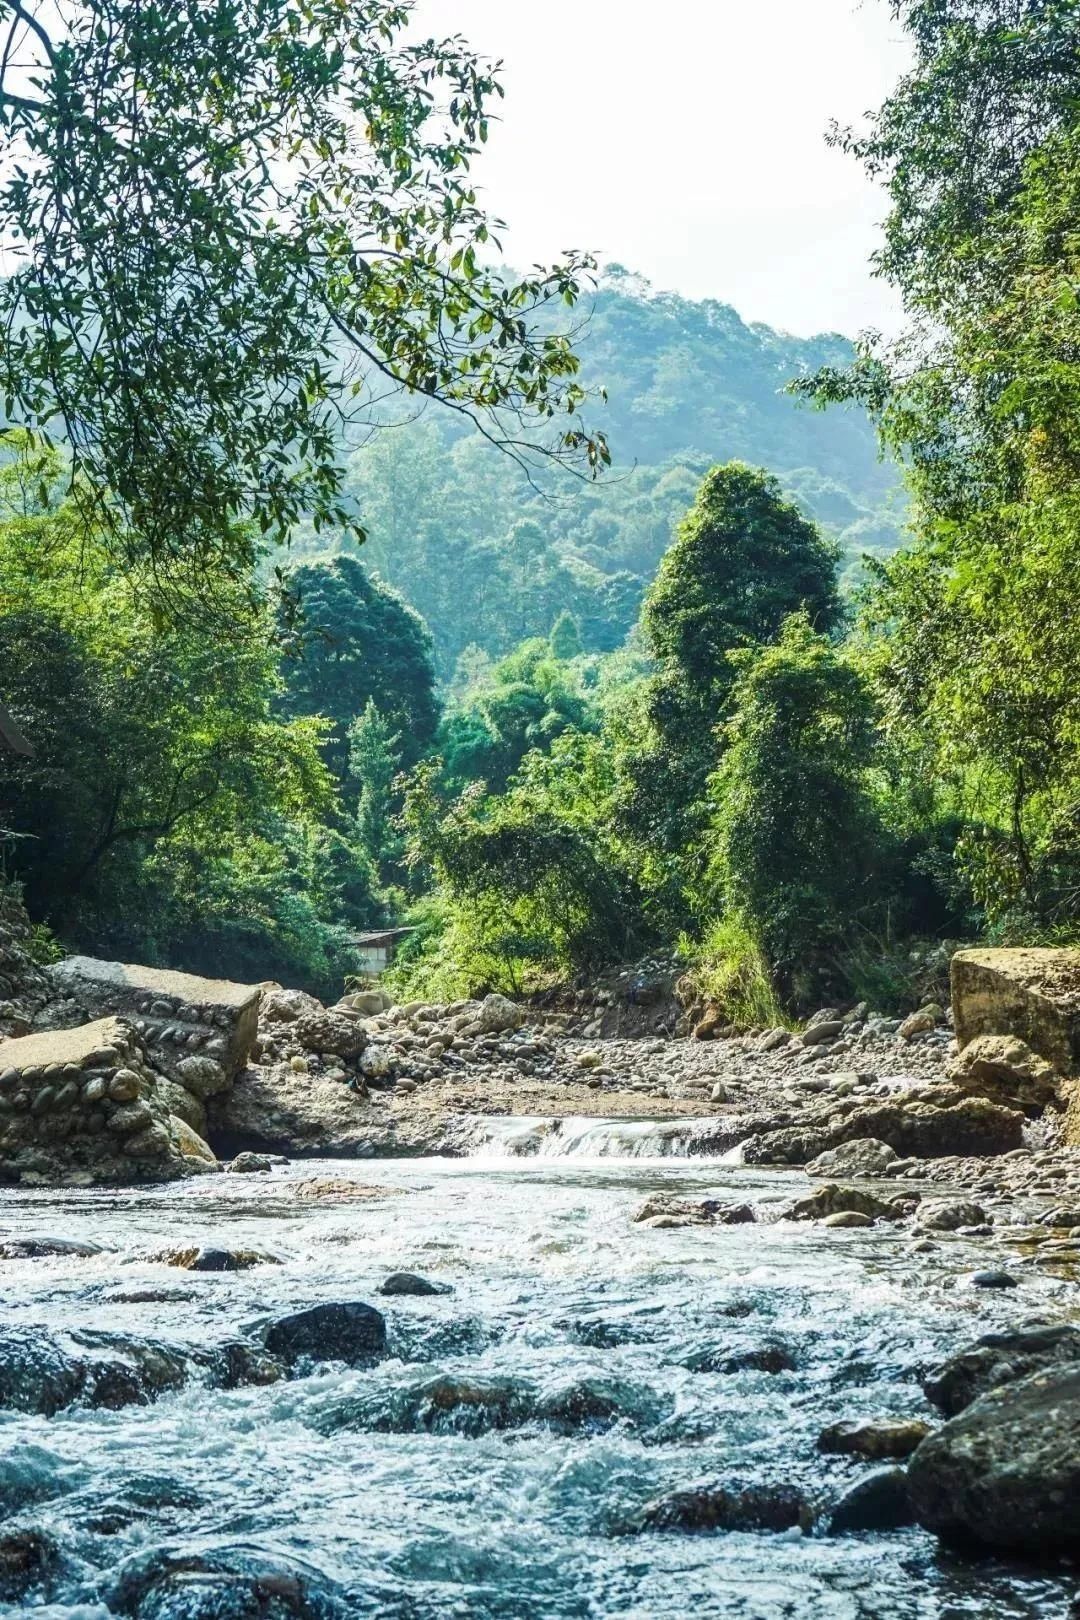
(522, 1500)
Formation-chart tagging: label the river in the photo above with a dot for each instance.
(526, 1505)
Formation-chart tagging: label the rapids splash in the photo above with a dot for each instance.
(500, 1462)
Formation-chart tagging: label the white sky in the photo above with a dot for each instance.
(685, 139)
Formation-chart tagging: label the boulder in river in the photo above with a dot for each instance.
(44, 1372)
(241, 1583)
(408, 1284)
(1005, 1473)
(349, 1332)
(878, 1501)
(876, 1438)
(1002, 1358)
(729, 1506)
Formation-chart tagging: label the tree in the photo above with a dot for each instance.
(565, 638)
(529, 702)
(236, 226)
(374, 762)
(972, 632)
(798, 847)
(144, 737)
(743, 559)
(358, 642)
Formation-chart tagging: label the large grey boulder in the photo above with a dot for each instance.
(277, 1109)
(1005, 1474)
(85, 1104)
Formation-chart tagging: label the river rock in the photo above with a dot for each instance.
(498, 1013)
(665, 1210)
(408, 1284)
(1001, 1358)
(1005, 1069)
(724, 1506)
(878, 1501)
(242, 1583)
(62, 1115)
(832, 1200)
(278, 1110)
(875, 1438)
(863, 1157)
(1005, 1473)
(351, 1332)
(971, 1128)
(44, 1372)
(945, 1215)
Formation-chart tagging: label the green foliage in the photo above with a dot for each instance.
(744, 558)
(530, 699)
(168, 811)
(374, 764)
(533, 881)
(359, 643)
(798, 847)
(728, 969)
(200, 326)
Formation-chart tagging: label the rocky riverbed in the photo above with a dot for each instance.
(494, 1387)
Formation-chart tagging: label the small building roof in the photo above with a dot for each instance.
(382, 936)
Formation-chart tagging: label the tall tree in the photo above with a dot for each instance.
(357, 642)
(235, 226)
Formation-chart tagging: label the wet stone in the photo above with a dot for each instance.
(354, 1333)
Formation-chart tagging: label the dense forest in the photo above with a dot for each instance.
(739, 695)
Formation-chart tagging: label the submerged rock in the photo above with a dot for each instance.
(44, 1372)
(407, 1283)
(1005, 1473)
(874, 1437)
(772, 1357)
(224, 1584)
(665, 1210)
(351, 1332)
(877, 1501)
(832, 1200)
(1001, 1358)
(726, 1506)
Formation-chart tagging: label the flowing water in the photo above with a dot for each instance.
(571, 1342)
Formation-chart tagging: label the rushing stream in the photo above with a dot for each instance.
(580, 1330)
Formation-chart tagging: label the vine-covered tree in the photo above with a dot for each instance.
(237, 227)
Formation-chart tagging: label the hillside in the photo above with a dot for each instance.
(488, 558)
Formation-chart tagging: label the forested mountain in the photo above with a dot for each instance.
(489, 557)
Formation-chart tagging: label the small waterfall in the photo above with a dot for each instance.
(579, 1137)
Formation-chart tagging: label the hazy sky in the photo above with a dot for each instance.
(685, 139)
